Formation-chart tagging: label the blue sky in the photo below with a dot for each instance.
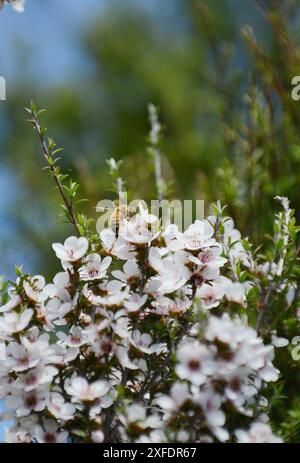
(50, 29)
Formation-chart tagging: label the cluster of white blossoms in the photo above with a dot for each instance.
(132, 342)
(18, 5)
(227, 367)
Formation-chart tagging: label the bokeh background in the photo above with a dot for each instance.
(220, 72)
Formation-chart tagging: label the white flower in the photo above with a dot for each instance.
(12, 322)
(154, 437)
(195, 362)
(140, 229)
(173, 238)
(49, 433)
(143, 342)
(5, 386)
(198, 235)
(208, 263)
(21, 359)
(134, 302)
(113, 294)
(179, 394)
(97, 437)
(116, 246)
(59, 286)
(227, 331)
(101, 345)
(124, 359)
(108, 238)
(25, 403)
(82, 391)
(36, 377)
(61, 302)
(210, 295)
(211, 256)
(244, 347)
(115, 321)
(72, 250)
(136, 413)
(34, 341)
(145, 216)
(59, 408)
(75, 338)
(211, 403)
(259, 433)
(94, 267)
(11, 304)
(103, 402)
(235, 292)
(33, 288)
(16, 435)
(172, 273)
(166, 306)
(130, 272)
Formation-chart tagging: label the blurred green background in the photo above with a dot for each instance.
(220, 72)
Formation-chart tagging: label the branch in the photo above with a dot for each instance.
(49, 152)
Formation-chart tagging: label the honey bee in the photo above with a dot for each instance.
(120, 213)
